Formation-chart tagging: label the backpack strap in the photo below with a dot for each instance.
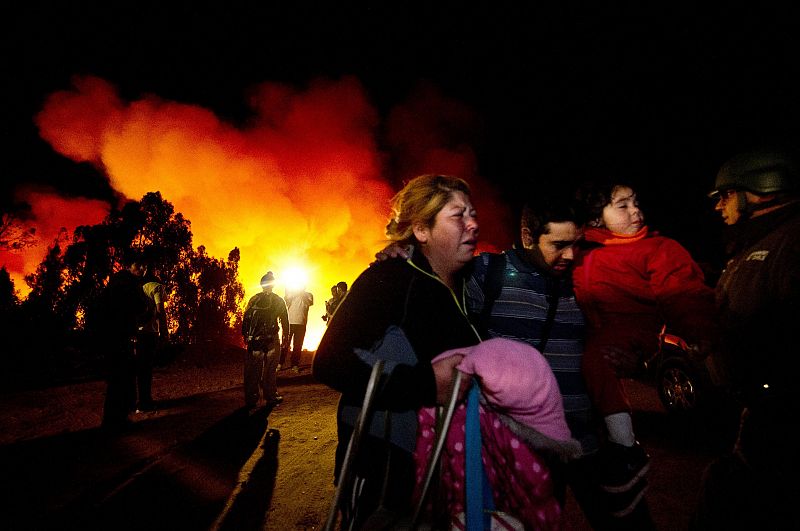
(553, 295)
(492, 286)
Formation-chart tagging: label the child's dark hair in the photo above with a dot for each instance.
(591, 198)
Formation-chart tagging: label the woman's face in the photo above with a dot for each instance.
(450, 243)
(622, 214)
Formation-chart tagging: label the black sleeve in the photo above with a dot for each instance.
(374, 302)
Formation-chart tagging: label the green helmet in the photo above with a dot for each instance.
(760, 172)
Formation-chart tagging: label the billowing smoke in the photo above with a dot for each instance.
(301, 186)
(54, 218)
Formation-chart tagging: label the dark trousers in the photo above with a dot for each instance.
(260, 365)
(145, 358)
(297, 333)
(581, 475)
(755, 486)
(120, 397)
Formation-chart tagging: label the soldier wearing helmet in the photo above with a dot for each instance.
(754, 183)
(758, 303)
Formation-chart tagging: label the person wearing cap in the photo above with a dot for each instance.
(758, 302)
(260, 330)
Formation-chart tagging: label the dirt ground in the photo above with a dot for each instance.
(304, 481)
(300, 439)
(271, 469)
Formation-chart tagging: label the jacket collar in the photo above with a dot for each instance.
(743, 235)
(606, 237)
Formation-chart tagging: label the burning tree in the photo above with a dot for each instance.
(204, 293)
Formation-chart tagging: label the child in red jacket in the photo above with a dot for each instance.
(630, 282)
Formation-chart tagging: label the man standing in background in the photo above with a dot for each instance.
(298, 302)
(260, 331)
(121, 310)
(338, 291)
(151, 333)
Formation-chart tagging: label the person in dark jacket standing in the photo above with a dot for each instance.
(758, 303)
(425, 297)
(123, 308)
(260, 331)
(338, 291)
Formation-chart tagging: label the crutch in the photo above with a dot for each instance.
(355, 439)
(441, 436)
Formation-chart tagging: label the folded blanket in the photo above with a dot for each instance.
(516, 380)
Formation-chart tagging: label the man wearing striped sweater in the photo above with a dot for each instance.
(526, 294)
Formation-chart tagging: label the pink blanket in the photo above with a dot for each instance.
(520, 479)
(516, 379)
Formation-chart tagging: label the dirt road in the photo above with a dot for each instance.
(200, 461)
(203, 462)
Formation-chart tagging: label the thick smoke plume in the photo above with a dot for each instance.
(302, 185)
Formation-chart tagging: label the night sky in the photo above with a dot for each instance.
(657, 95)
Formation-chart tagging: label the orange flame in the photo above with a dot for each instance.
(55, 218)
(299, 186)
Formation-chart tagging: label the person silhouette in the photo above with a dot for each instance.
(298, 302)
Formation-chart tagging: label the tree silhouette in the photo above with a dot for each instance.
(212, 294)
(9, 322)
(14, 234)
(8, 295)
(204, 293)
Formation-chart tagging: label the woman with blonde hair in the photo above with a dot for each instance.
(424, 298)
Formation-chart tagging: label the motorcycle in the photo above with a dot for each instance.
(681, 378)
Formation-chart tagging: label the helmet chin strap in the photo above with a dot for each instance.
(744, 208)
(747, 209)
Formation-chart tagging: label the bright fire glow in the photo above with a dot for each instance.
(300, 186)
(294, 278)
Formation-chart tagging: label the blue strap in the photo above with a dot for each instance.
(478, 490)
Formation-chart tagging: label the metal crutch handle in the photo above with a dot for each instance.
(355, 439)
(439, 445)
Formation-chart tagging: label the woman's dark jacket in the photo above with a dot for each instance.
(393, 292)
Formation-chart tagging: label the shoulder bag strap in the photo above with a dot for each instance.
(553, 295)
(492, 286)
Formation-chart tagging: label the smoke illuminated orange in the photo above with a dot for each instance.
(299, 186)
(55, 218)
